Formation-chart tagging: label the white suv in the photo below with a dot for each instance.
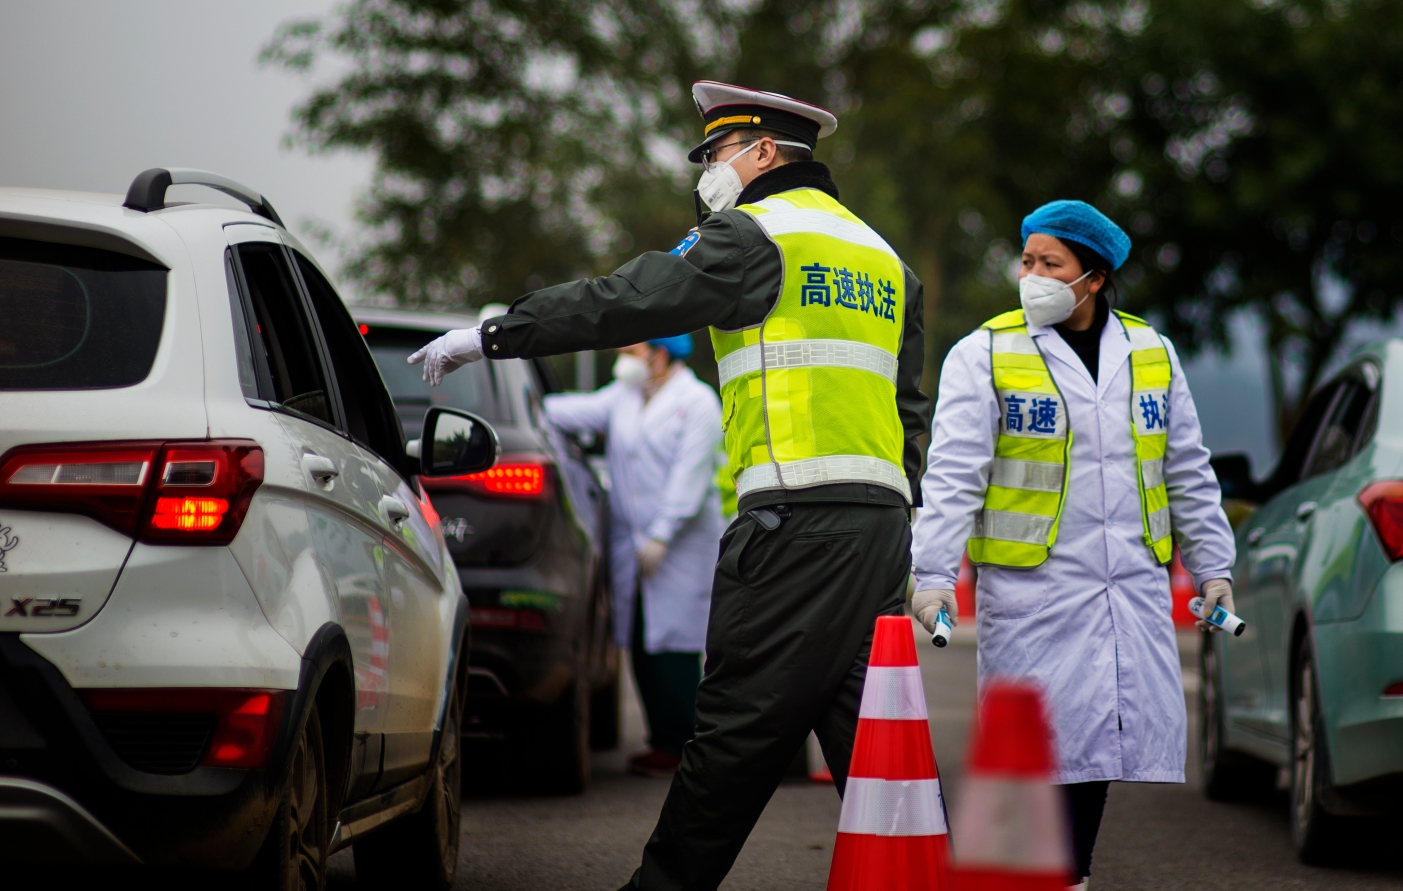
(231, 633)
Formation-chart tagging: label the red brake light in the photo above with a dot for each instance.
(364, 329)
(1393, 690)
(511, 479)
(515, 476)
(177, 492)
(1383, 503)
(246, 721)
(202, 491)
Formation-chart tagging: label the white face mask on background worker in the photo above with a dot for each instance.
(631, 371)
(1048, 301)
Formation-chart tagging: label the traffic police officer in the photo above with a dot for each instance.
(817, 330)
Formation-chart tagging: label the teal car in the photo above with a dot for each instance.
(1315, 684)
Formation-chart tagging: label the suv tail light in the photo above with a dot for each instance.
(1383, 503)
(245, 723)
(514, 476)
(163, 493)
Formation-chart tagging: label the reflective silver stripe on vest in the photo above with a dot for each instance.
(1143, 338)
(808, 354)
(1159, 524)
(1011, 473)
(1006, 525)
(784, 218)
(819, 471)
(1152, 472)
(1014, 342)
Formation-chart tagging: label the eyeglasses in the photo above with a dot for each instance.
(708, 155)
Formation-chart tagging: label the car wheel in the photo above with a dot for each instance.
(604, 717)
(565, 749)
(1226, 775)
(421, 851)
(293, 857)
(1314, 832)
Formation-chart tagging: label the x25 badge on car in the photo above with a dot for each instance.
(40, 607)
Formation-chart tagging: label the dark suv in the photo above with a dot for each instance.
(528, 537)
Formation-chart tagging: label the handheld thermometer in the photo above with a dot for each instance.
(941, 637)
(1220, 618)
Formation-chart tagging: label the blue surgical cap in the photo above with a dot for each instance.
(1080, 222)
(679, 347)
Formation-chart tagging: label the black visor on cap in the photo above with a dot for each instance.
(725, 118)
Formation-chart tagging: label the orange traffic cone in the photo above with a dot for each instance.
(892, 831)
(1011, 824)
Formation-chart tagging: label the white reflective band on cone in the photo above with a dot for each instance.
(893, 694)
(1013, 824)
(892, 807)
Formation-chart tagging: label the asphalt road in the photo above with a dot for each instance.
(1153, 837)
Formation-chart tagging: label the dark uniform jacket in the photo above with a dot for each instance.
(729, 277)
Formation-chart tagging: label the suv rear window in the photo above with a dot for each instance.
(469, 388)
(76, 318)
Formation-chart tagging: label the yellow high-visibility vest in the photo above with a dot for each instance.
(1028, 482)
(808, 397)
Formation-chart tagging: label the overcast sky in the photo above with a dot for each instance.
(92, 93)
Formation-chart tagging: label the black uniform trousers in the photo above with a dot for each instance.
(792, 615)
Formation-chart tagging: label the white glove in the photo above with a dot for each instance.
(449, 353)
(926, 606)
(650, 556)
(1217, 592)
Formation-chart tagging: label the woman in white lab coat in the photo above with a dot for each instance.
(663, 428)
(1091, 623)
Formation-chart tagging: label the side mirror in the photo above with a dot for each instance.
(455, 443)
(1234, 474)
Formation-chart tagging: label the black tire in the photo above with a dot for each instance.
(1315, 833)
(564, 742)
(421, 850)
(1226, 775)
(293, 856)
(604, 717)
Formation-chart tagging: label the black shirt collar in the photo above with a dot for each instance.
(794, 175)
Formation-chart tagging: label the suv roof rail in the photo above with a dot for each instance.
(148, 191)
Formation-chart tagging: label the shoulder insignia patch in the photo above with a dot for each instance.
(686, 244)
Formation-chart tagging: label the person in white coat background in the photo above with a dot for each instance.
(663, 428)
(1059, 488)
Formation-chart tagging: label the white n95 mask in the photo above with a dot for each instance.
(631, 371)
(720, 185)
(1047, 301)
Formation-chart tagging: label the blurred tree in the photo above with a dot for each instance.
(518, 142)
(1257, 166)
(1248, 146)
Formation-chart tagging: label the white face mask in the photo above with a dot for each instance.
(720, 185)
(1047, 301)
(631, 371)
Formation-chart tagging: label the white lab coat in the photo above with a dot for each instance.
(1092, 625)
(662, 465)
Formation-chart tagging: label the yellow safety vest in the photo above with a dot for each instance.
(808, 397)
(1028, 481)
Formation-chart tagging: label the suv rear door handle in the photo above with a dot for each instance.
(323, 470)
(1304, 512)
(394, 510)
